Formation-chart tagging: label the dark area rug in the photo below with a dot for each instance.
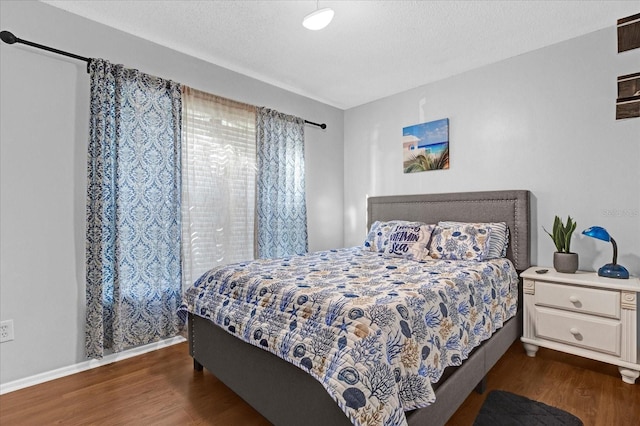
(503, 408)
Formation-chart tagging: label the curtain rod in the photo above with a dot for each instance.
(9, 38)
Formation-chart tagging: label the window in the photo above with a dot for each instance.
(218, 182)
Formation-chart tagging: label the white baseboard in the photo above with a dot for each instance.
(86, 365)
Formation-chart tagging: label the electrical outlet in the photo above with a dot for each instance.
(6, 331)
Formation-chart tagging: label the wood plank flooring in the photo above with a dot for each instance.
(591, 390)
(161, 388)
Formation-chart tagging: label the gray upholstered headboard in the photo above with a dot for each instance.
(511, 207)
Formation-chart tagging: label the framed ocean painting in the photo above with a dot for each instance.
(426, 146)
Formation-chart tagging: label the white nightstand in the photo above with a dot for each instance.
(583, 314)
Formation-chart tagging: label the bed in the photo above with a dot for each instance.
(287, 394)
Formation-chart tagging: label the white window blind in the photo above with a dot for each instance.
(218, 182)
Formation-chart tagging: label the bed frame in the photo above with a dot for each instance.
(286, 395)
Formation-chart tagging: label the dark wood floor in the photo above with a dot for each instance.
(161, 388)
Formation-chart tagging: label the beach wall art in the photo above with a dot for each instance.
(426, 146)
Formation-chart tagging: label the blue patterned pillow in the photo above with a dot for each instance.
(410, 241)
(499, 236)
(460, 242)
(378, 236)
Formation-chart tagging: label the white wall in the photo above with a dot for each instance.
(543, 121)
(43, 136)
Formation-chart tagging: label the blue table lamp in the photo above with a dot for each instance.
(610, 270)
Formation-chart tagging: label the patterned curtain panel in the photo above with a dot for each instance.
(280, 207)
(218, 182)
(133, 209)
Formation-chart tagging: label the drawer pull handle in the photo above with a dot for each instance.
(573, 299)
(574, 331)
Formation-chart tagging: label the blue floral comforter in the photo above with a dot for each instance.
(375, 330)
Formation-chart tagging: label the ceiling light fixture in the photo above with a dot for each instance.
(318, 19)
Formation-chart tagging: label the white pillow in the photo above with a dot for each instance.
(499, 236)
(460, 242)
(410, 241)
(378, 236)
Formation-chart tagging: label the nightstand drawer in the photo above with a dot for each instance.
(598, 334)
(578, 299)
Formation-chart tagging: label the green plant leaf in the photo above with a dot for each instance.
(562, 233)
(571, 226)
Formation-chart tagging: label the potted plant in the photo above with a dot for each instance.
(563, 259)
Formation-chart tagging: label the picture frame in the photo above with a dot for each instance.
(426, 146)
(628, 101)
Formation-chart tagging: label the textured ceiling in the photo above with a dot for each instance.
(372, 49)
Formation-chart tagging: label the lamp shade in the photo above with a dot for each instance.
(319, 19)
(597, 232)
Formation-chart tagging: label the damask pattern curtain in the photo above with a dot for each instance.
(281, 209)
(133, 209)
(218, 182)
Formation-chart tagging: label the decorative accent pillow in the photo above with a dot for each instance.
(410, 241)
(378, 236)
(499, 236)
(460, 242)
